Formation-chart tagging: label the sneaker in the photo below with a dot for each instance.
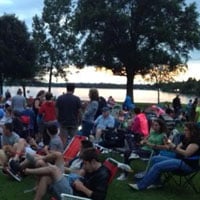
(133, 156)
(15, 176)
(140, 175)
(154, 186)
(134, 186)
(124, 167)
(122, 177)
(14, 166)
(105, 151)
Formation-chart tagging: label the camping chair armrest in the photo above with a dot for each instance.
(72, 197)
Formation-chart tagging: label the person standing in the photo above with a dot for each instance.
(197, 114)
(176, 105)
(18, 102)
(90, 112)
(37, 102)
(48, 112)
(68, 110)
(193, 110)
(7, 95)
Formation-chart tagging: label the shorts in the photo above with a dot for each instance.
(61, 186)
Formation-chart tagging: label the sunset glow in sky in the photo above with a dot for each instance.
(26, 9)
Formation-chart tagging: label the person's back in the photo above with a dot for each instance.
(55, 143)
(18, 102)
(176, 105)
(68, 108)
(47, 109)
(140, 123)
(127, 104)
(143, 124)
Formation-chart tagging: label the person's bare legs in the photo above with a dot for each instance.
(98, 134)
(50, 170)
(42, 186)
(47, 175)
(54, 157)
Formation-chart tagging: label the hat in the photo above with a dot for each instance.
(104, 109)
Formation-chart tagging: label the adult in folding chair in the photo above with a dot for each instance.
(93, 184)
(153, 143)
(189, 147)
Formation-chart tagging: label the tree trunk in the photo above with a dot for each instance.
(158, 90)
(129, 85)
(1, 84)
(24, 90)
(50, 78)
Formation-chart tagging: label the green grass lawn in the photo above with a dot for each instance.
(118, 190)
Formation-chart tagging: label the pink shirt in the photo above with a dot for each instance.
(140, 125)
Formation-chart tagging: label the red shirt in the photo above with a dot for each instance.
(48, 111)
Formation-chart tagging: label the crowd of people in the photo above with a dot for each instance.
(35, 133)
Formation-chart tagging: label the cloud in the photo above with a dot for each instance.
(23, 9)
(6, 2)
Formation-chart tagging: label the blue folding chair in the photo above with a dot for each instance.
(185, 179)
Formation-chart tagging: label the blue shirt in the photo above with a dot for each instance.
(105, 122)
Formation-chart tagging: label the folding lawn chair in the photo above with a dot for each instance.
(72, 197)
(111, 164)
(184, 179)
(141, 174)
(73, 147)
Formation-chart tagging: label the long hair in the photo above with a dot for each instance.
(194, 131)
(93, 94)
(162, 124)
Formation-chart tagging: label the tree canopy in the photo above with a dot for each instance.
(17, 51)
(127, 36)
(54, 38)
(132, 36)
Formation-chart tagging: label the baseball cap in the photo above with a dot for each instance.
(104, 109)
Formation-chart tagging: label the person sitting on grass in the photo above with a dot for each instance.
(188, 147)
(55, 145)
(93, 185)
(12, 145)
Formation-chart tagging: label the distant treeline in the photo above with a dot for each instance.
(189, 87)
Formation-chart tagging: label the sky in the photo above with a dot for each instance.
(26, 9)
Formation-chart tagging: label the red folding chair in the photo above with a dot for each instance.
(73, 147)
(112, 165)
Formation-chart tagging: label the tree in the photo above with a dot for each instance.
(53, 37)
(162, 74)
(132, 36)
(17, 51)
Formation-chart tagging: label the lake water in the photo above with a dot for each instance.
(142, 96)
